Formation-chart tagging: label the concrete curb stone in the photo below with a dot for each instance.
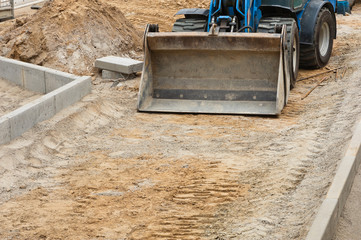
(63, 90)
(325, 223)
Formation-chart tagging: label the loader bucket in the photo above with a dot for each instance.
(230, 73)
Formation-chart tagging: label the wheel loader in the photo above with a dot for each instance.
(236, 57)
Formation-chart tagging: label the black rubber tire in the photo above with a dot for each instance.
(190, 25)
(269, 25)
(311, 56)
(153, 28)
(149, 28)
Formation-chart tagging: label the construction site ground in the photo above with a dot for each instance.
(100, 169)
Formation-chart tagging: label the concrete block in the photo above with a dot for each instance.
(10, 71)
(116, 75)
(342, 182)
(347, 170)
(55, 79)
(355, 145)
(46, 105)
(119, 64)
(34, 78)
(63, 89)
(325, 222)
(71, 93)
(4, 130)
(106, 74)
(30, 114)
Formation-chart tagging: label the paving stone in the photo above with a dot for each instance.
(119, 64)
(4, 130)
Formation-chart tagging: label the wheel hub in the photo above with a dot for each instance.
(294, 55)
(324, 39)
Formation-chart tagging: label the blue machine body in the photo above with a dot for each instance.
(251, 11)
(343, 7)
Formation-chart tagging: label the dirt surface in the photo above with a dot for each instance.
(141, 12)
(100, 169)
(13, 97)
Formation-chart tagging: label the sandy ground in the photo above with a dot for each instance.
(142, 12)
(100, 169)
(13, 96)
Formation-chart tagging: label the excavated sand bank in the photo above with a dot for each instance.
(69, 35)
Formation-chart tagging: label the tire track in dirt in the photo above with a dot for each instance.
(214, 183)
(116, 173)
(318, 151)
(201, 192)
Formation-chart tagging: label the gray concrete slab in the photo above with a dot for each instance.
(4, 130)
(106, 74)
(33, 79)
(342, 181)
(348, 226)
(25, 117)
(46, 106)
(55, 79)
(326, 221)
(63, 90)
(71, 93)
(10, 71)
(119, 64)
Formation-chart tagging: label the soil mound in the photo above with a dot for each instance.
(70, 34)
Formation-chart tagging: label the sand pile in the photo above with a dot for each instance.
(70, 34)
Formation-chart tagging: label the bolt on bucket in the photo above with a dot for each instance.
(227, 73)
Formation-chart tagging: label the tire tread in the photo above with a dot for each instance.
(189, 25)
